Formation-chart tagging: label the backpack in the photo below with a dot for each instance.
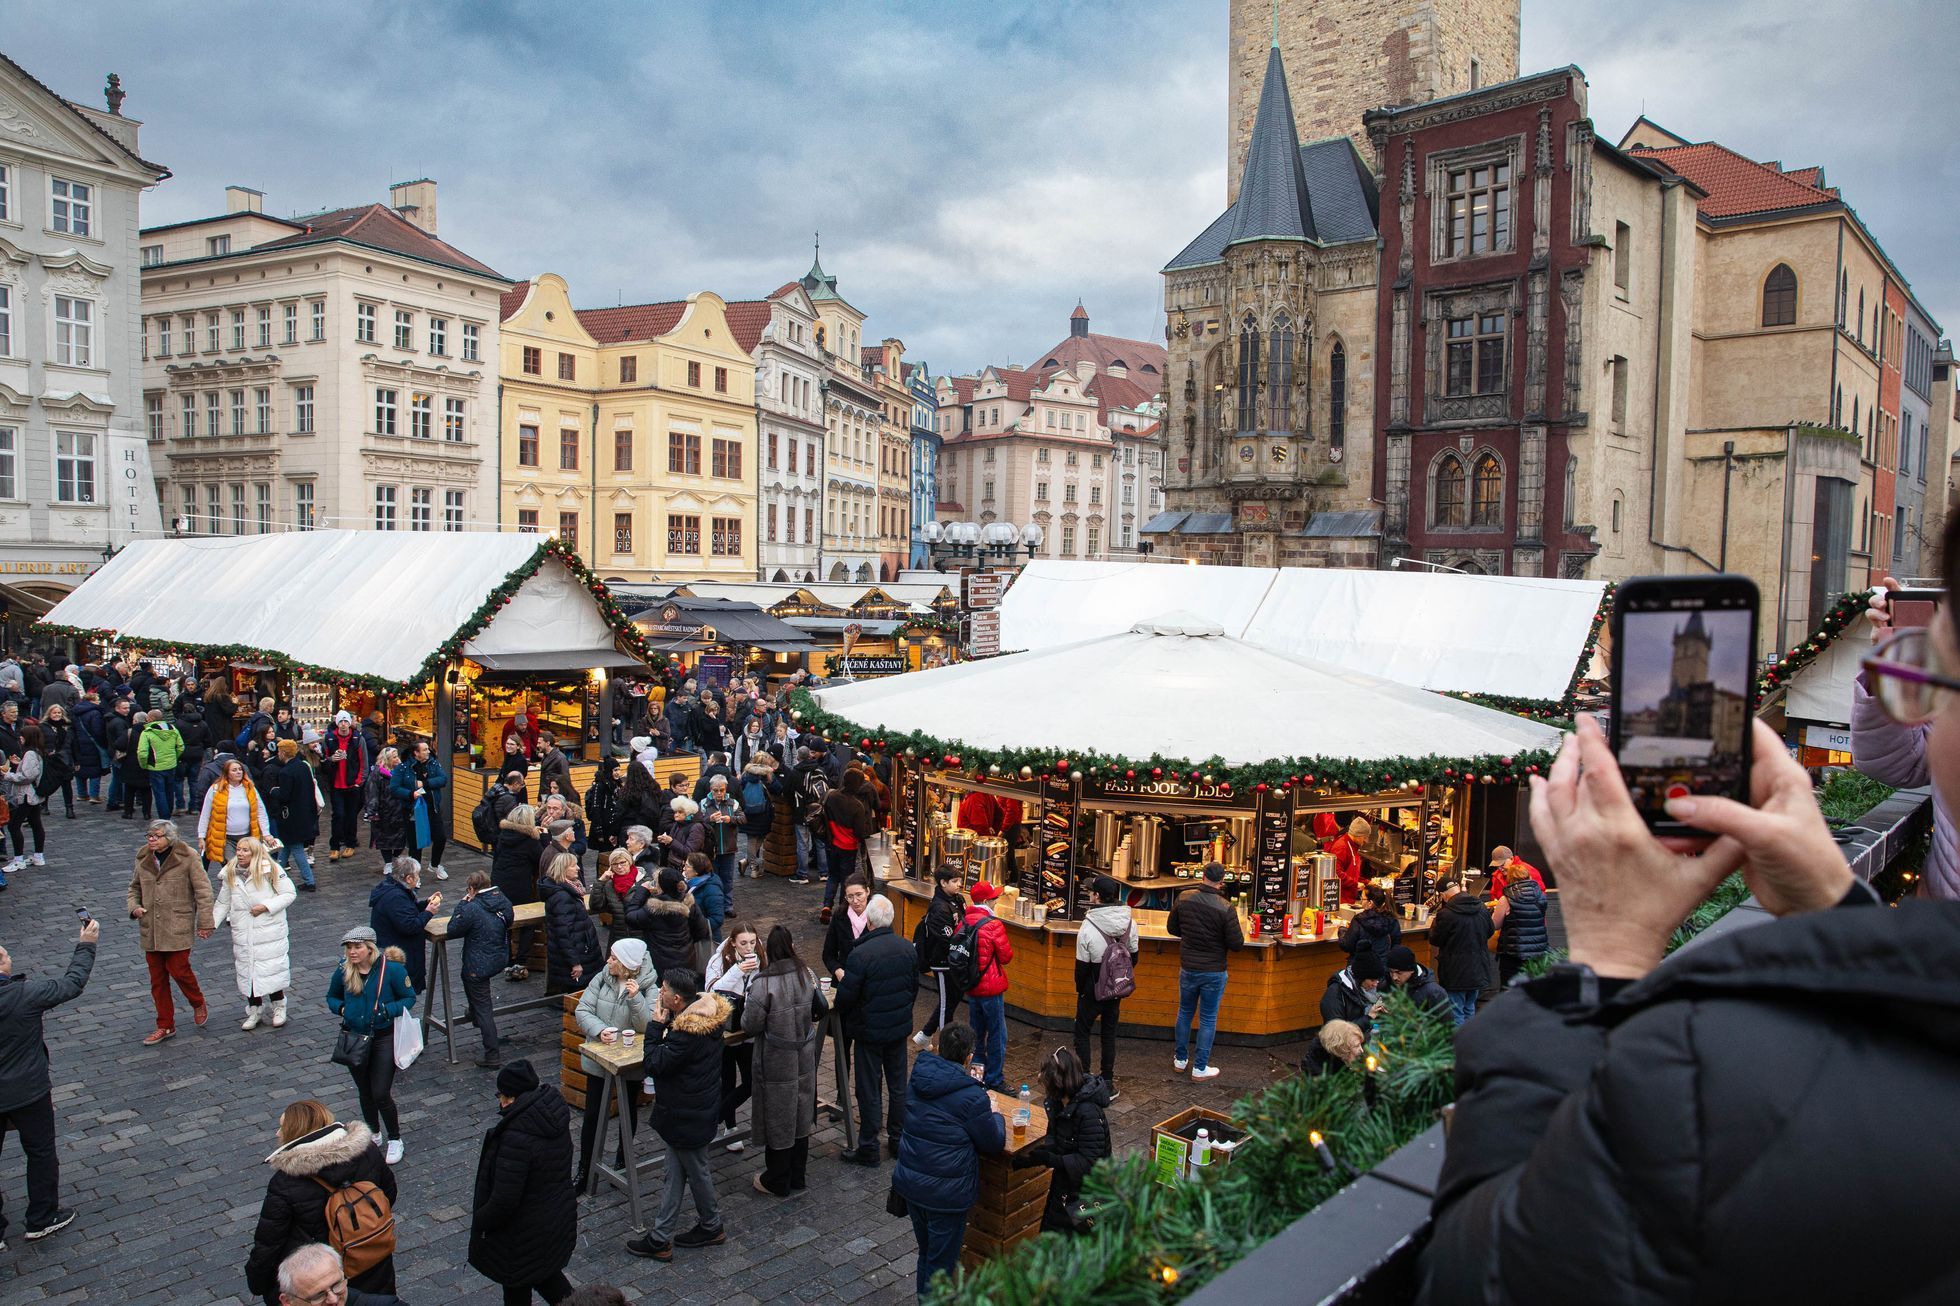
(360, 1225)
(963, 957)
(815, 788)
(755, 796)
(483, 819)
(1114, 977)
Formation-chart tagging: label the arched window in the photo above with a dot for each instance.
(1487, 492)
(1854, 414)
(1337, 397)
(1249, 374)
(1448, 495)
(1859, 325)
(1780, 297)
(1844, 295)
(1279, 377)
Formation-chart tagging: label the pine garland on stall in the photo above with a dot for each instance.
(450, 648)
(1840, 617)
(1309, 774)
(1559, 711)
(1157, 1243)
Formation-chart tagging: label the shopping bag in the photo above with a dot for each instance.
(408, 1041)
(422, 823)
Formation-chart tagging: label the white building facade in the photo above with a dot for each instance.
(336, 370)
(789, 372)
(75, 475)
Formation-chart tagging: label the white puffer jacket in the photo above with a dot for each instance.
(258, 943)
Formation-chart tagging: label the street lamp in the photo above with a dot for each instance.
(976, 544)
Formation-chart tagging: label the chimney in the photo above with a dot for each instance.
(243, 199)
(416, 201)
(1078, 321)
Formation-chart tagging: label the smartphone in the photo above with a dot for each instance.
(1914, 607)
(81, 914)
(1683, 695)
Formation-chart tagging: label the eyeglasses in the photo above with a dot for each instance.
(1907, 679)
(327, 1296)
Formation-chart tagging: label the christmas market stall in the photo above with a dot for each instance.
(457, 639)
(1146, 754)
(715, 640)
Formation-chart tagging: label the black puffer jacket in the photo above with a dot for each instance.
(684, 1062)
(1077, 1138)
(514, 862)
(1345, 999)
(672, 927)
(570, 938)
(1373, 929)
(1523, 932)
(524, 1216)
(294, 1211)
(1692, 1135)
(881, 978)
(1460, 933)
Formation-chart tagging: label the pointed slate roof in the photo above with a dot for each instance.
(1272, 202)
(818, 285)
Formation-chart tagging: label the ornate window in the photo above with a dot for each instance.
(1279, 377)
(1475, 357)
(1780, 296)
(1478, 217)
(1447, 494)
(1487, 492)
(1248, 387)
(1337, 397)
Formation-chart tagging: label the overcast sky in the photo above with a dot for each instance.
(974, 167)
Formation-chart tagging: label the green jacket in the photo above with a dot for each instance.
(159, 747)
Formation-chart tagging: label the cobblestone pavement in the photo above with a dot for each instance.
(162, 1148)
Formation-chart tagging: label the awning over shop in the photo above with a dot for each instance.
(1163, 523)
(380, 605)
(24, 603)
(1513, 636)
(1178, 686)
(584, 659)
(685, 623)
(1363, 524)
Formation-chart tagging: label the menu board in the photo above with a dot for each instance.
(1330, 895)
(1272, 857)
(1049, 883)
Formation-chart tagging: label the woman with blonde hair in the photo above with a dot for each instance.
(571, 940)
(232, 809)
(369, 991)
(385, 812)
(253, 894)
(316, 1156)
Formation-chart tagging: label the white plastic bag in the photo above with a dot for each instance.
(408, 1041)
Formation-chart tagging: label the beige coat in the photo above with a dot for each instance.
(176, 902)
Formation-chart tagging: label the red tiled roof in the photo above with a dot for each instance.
(1737, 185)
(962, 387)
(1102, 350)
(747, 319)
(873, 355)
(512, 300)
(785, 288)
(1080, 312)
(1808, 176)
(380, 227)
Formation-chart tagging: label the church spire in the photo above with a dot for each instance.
(1272, 203)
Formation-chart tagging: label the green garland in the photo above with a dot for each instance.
(1332, 774)
(1157, 1243)
(450, 648)
(1841, 616)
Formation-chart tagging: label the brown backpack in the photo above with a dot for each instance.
(360, 1225)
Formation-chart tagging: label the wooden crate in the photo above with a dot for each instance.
(573, 1082)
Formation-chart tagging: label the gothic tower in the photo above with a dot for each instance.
(1344, 57)
(1692, 646)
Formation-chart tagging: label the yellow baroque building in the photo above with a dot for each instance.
(630, 433)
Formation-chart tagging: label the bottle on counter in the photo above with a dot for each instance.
(1200, 1153)
(1023, 1113)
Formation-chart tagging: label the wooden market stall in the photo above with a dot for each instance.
(1041, 772)
(449, 635)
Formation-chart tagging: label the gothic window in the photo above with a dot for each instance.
(1249, 374)
(1478, 218)
(1487, 492)
(1337, 397)
(1475, 357)
(1279, 376)
(1447, 495)
(1780, 296)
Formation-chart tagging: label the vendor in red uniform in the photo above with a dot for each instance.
(1348, 866)
(1503, 858)
(525, 726)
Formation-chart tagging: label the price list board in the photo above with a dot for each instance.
(1272, 857)
(1053, 878)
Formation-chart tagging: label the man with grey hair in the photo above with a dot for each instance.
(881, 978)
(171, 901)
(311, 1275)
(401, 920)
(27, 1089)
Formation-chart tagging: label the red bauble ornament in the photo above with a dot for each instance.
(1129, 775)
(1532, 769)
(1450, 772)
(1156, 773)
(1194, 777)
(1259, 788)
(1309, 779)
(1506, 761)
(1061, 764)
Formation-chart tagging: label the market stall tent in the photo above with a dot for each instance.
(1500, 636)
(1180, 686)
(367, 605)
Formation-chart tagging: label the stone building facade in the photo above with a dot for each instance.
(789, 431)
(1344, 57)
(854, 435)
(1270, 384)
(1921, 512)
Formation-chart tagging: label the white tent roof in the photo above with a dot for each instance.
(367, 603)
(1180, 687)
(1823, 690)
(763, 595)
(1503, 635)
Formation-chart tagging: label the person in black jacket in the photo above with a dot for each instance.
(316, 1155)
(683, 1060)
(1207, 927)
(673, 927)
(1520, 918)
(26, 1086)
(1459, 935)
(1407, 975)
(1077, 1137)
(603, 824)
(945, 914)
(1374, 927)
(571, 940)
(1354, 992)
(875, 994)
(1692, 1125)
(844, 930)
(514, 869)
(482, 921)
(524, 1215)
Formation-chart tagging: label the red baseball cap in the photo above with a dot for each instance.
(984, 891)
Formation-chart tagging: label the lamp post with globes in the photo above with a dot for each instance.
(960, 545)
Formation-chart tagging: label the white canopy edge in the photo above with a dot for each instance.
(371, 603)
(1511, 636)
(1823, 690)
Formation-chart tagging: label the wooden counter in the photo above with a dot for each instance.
(1273, 993)
(1010, 1203)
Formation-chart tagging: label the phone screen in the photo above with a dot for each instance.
(1910, 607)
(1682, 692)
